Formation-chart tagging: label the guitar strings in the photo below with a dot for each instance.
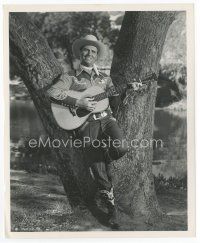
(114, 90)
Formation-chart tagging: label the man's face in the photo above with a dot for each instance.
(88, 55)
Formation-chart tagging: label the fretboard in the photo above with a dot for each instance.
(110, 92)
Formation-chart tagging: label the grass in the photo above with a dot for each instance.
(39, 203)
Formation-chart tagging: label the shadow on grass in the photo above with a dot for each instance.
(100, 215)
(41, 205)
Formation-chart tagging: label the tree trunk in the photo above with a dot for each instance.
(36, 64)
(138, 52)
(69, 52)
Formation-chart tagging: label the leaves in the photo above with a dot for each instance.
(59, 26)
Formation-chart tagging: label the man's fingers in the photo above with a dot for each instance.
(136, 86)
(90, 99)
(93, 103)
(90, 108)
(88, 96)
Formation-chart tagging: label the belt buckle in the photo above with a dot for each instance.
(102, 114)
(95, 118)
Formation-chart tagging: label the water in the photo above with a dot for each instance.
(24, 121)
(170, 127)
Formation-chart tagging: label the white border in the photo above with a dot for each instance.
(115, 8)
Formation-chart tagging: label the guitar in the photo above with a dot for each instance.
(70, 118)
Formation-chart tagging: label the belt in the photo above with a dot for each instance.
(99, 115)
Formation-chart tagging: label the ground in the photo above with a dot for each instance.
(39, 203)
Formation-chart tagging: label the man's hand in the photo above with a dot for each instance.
(86, 103)
(135, 85)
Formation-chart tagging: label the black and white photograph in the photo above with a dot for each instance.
(98, 120)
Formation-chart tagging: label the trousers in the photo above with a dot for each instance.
(103, 142)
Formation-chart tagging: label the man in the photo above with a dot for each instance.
(100, 126)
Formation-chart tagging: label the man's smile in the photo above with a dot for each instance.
(89, 58)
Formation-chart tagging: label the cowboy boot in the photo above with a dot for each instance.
(108, 198)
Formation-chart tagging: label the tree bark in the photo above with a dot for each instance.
(137, 53)
(36, 64)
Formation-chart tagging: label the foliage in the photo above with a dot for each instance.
(61, 29)
(174, 50)
(172, 82)
(175, 72)
(119, 20)
(163, 184)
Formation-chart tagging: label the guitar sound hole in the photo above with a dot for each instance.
(82, 112)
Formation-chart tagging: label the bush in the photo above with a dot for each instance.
(163, 184)
(172, 82)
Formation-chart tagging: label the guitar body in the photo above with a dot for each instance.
(72, 118)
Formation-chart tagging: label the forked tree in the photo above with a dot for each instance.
(136, 54)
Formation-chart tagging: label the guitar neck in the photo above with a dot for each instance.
(110, 92)
(119, 89)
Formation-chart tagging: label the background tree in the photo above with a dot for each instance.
(61, 29)
(137, 52)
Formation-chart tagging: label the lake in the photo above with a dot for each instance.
(170, 126)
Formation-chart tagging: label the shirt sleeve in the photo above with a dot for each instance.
(58, 92)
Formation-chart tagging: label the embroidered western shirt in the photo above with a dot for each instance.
(80, 80)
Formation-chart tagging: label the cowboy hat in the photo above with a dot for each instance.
(88, 40)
